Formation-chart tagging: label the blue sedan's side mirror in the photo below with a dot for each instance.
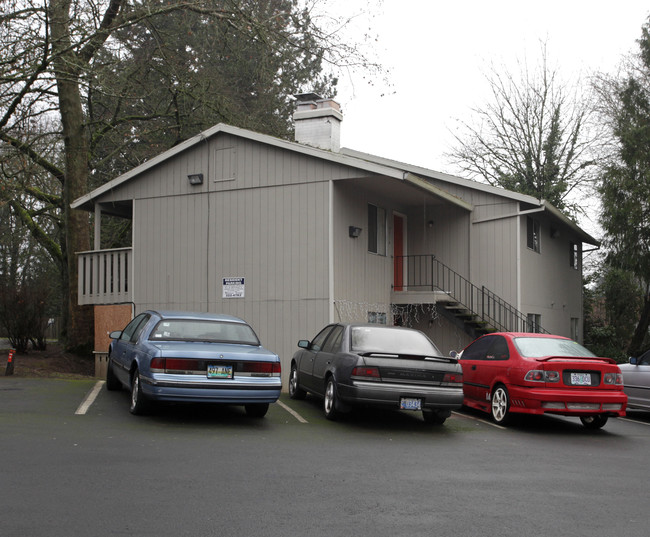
(633, 360)
(303, 344)
(115, 334)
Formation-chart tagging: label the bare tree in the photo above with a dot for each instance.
(54, 54)
(533, 137)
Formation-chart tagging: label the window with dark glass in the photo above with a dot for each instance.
(498, 349)
(533, 234)
(376, 229)
(319, 340)
(478, 350)
(333, 343)
(574, 255)
(133, 329)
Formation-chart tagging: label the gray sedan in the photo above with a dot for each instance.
(375, 365)
(636, 382)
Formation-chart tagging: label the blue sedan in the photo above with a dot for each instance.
(193, 357)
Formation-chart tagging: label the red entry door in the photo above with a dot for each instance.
(398, 252)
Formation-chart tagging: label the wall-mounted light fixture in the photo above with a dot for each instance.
(195, 178)
(354, 231)
(555, 233)
(430, 223)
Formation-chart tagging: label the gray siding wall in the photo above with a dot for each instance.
(362, 280)
(550, 287)
(493, 244)
(448, 238)
(261, 214)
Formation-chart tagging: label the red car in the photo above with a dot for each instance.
(507, 373)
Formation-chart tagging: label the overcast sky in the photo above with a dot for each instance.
(439, 52)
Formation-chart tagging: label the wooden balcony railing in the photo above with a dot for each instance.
(105, 276)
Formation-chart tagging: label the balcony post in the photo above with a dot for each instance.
(98, 227)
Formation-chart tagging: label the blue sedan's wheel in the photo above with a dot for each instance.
(139, 403)
(112, 382)
(257, 410)
(295, 391)
(500, 405)
(331, 413)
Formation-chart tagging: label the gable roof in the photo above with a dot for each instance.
(413, 175)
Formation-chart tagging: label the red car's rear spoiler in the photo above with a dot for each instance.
(548, 358)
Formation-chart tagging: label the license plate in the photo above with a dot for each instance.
(581, 379)
(219, 371)
(410, 403)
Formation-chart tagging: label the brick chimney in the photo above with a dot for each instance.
(318, 121)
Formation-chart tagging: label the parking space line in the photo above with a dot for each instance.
(90, 398)
(474, 418)
(634, 421)
(292, 412)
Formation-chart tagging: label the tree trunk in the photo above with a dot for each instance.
(636, 344)
(79, 326)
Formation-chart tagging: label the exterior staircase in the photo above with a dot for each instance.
(476, 310)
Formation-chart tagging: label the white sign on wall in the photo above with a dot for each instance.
(233, 287)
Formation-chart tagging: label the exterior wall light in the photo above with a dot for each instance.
(195, 178)
(354, 231)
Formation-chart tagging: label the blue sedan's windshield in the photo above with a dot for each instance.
(204, 330)
(385, 340)
(538, 347)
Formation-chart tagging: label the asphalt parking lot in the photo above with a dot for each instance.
(77, 463)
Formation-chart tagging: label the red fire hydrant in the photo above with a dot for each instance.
(10, 363)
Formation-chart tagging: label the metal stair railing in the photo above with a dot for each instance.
(425, 272)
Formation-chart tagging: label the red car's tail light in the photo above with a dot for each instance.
(539, 375)
(552, 376)
(368, 373)
(613, 378)
(453, 378)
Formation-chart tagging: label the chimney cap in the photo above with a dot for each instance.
(306, 97)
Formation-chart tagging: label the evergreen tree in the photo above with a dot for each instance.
(624, 184)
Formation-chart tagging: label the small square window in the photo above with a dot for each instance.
(377, 317)
(534, 321)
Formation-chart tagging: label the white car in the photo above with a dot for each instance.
(636, 381)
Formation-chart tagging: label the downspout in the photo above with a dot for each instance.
(330, 267)
(518, 264)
